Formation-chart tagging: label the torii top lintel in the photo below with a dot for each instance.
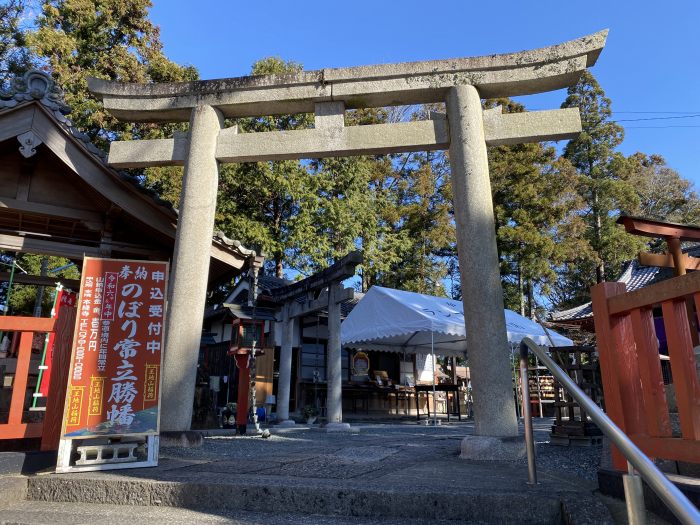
(505, 75)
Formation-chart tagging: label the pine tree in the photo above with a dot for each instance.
(259, 202)
(604, 185)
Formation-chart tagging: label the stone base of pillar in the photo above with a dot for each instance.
(340, 427)
(184, 438)
(287, 423)
(489, 448)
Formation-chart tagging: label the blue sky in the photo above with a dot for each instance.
(650, 67)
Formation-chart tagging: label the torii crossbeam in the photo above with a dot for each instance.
(466, 131)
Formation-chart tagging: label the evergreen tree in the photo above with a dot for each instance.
(605, 186)
(109, 39)
(534, 201)
(15, 57)
(663, 194)
(23, 297)
(350, 202)
(259, 202)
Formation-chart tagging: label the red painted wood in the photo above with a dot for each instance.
(628, 347)
(21, 430)
(26, 324)
(243, 389)
(685, 379)
(606, 352)
(19, 385)
(675, 449)
(60, 368)
(653, 391)
(628, 376)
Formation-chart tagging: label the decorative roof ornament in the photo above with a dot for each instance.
(233, 244)
(35, 85)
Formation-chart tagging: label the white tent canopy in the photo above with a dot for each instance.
(397, 321)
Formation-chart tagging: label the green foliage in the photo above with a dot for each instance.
(15, 57)
(535, 201)
(109, 39)
(555, 215)
(114, 40)
(259, 203)
(607, 189)
(23, 296)
(663, 194)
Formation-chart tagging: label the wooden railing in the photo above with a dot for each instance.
(630, 365)
(25, 328)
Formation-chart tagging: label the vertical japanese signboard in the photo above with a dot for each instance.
(115, 372)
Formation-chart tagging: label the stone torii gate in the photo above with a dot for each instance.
(321, 291)
(466, 132)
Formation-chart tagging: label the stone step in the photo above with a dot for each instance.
(48, 513)
(329, 500)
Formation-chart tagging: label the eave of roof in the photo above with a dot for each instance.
(37, 87)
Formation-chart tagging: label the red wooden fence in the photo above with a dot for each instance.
(49, 429)
(631, 368)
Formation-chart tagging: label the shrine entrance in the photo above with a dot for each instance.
(466, 130)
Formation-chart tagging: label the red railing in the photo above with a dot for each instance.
(630, 365)
(49, 429)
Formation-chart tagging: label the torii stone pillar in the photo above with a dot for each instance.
(482, 294)
(190, 273)
(334, 395)
(285, 378)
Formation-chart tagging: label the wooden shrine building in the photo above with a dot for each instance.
(58, 197)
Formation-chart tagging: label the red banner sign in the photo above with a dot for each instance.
(114, 381)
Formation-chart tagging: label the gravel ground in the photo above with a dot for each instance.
(383, 444)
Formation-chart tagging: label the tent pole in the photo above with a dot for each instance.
(518, 406)
(432, 351)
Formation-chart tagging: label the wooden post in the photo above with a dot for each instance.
(680, 350)
(60, 368)
(243, 383)
(618, 366)
(653, 392)
(674, 246)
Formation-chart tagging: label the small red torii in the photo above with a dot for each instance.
(673, 234)
(670, 232)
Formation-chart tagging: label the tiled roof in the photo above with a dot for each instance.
(635, 276)
(38, 86)
(270, 282)
(572, 314)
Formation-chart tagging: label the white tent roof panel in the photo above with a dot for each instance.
(398, 321)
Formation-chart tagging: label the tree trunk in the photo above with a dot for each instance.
(279, 268)
(521, 296)
(597, 227)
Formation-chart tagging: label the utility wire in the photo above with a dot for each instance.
(657, 112)
(656, 118)
(658, 127)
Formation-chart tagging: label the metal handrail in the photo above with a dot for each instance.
(671, 495)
